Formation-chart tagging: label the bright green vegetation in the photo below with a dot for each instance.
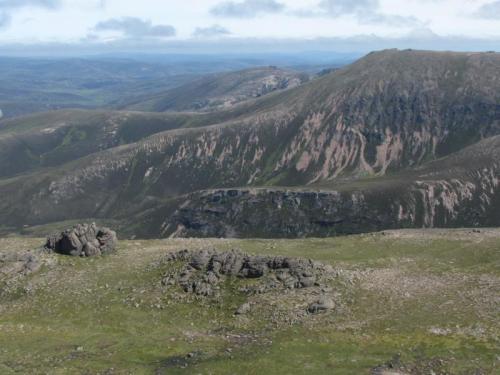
(425, 295)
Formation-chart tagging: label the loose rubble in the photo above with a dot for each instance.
(16, 268)
(83, 240)
(14, 264)
(422, 366)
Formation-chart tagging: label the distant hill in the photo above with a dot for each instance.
(397, 139)
(222, 90)
(29, 85)
(37, 84)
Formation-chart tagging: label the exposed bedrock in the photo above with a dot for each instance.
(287, 213)
(84, 240)
(204, 270)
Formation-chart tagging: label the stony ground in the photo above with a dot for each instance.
(405, 302)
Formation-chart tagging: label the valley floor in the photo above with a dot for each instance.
(413, 302)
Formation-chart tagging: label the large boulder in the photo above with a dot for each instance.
(84, 240)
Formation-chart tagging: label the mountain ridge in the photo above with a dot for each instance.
(222, 90)
(389, 112)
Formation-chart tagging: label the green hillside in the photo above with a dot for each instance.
(412, 302)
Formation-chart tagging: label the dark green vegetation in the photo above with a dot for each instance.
(421, 300)
(397, 139)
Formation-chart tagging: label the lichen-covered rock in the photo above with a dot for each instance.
(84, 240)
(321, 305)
(203, 270)
(243, 309)
(280, 290)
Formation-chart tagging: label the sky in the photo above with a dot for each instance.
(253, 25)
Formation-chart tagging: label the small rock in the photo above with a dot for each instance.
(321, 305)
(243, 309)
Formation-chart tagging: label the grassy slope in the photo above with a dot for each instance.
(88, 316)
(33, 142)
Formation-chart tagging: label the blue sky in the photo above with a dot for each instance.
(161, 24)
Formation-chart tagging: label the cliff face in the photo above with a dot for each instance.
(284, 213)
(272, 213)
(457, 191)
(389, 113)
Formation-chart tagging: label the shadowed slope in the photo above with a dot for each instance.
(459, 190)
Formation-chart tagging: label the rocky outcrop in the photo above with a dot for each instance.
(84, 240)
(470, 198)
(204, 270)
(273, 213)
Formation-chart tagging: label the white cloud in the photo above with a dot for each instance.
(4, 19)
(135, 28)
(490, 11)
(337, 8)
(210, 32)
(247, 8)
(364, 11)
(8, 6)
(74, 21)
(11, 4)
